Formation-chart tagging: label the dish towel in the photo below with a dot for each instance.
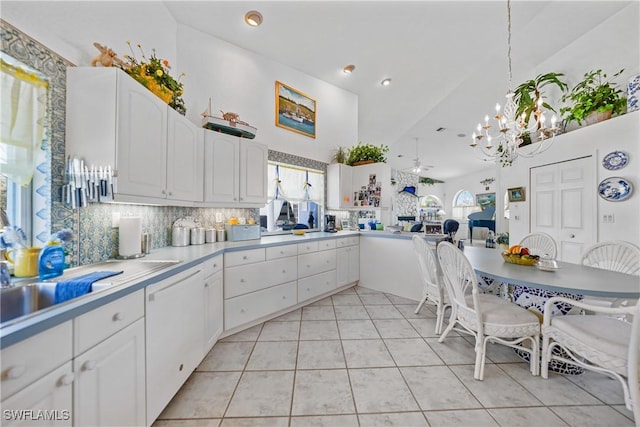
(80, 285)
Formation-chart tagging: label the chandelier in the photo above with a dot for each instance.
(513, 136)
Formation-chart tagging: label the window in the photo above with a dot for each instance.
(464, 198)
(23, 148)
(296, 197)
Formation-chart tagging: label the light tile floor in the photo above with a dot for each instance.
(363, 358)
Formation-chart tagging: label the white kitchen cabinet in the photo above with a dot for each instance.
(111, 119)
(31, 359)
(185, 159)
(51, 396)
(245, 309)
(109, 388)
(235, 171)
(213, 300)
(339, 186)
(318, 284)
(348, 260)
(316, 262)
(345, 185)
(248, 278)
(174, 335)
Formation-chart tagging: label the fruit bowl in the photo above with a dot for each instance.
(517, 259)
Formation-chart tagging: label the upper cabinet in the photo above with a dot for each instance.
(365, 187)
(235, 171)
(155, 153)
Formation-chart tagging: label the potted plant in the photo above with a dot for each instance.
(340, 155)
(367, 153)
(594, 99)
(529, 97)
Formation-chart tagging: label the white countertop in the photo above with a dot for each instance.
(18, 329)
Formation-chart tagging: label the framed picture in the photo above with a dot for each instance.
(516, 194)
(485, 200)
(295, 111)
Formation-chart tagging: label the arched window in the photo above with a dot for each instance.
(464, 198)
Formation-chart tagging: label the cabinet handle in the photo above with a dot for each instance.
(215, 265)
(284, 271)
(16, 372)
(284, 297)
(242, 310)
(241, 280)
(206, 285)
(66, 379)
(164, 192)
(308, 289)
(281, 252)
(170, 193)
(245, 257)
(181, 367)
(241, 199)
(118, 317)
(308, 266)
(89, 365)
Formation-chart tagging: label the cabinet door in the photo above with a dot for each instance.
(342, 266)
(213, 310)
(110, 381)
(185, 163)
(253, 172)
(354, 263)
(339, 186)
(222, 160)
(52, 394)
(174, 331)
(141, 149)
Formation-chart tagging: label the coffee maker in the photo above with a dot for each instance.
(330, 223)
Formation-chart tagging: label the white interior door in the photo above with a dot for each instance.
(563, 204)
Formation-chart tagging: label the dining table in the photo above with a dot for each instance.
(531, 287)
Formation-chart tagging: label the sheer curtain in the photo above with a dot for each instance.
(23, 110)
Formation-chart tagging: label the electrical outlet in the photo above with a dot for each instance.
(115, 220)
(608, 218)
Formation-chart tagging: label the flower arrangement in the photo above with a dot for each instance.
(153, 73)
(503, 239)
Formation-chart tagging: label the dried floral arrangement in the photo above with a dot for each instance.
(153, 73)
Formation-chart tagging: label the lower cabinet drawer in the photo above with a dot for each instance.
(29, 360)
(319, 284)
(348, 241)
(249, 307)
(254, 277)
(99, 324)
(317, 262)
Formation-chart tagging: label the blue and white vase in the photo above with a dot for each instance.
(633, 94)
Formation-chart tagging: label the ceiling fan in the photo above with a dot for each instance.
(417, 167)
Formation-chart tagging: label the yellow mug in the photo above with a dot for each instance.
(25, 261)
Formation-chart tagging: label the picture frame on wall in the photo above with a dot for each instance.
(516, 194)
(295, 110)
(485, 200)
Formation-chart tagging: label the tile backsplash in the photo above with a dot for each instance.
(99, 241)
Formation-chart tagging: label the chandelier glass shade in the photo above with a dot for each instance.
(510, 136)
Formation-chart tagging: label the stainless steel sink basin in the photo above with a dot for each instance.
(26, 299)
(22, 300)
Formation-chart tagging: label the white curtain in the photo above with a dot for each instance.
(23, 109)
(292, 184)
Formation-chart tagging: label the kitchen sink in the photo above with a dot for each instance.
(22, 300)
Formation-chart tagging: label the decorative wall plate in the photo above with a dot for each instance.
(615, 160)
(615, 189)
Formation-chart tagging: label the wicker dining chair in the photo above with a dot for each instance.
(601, 343)
(619, 256)
(433, 290)
(489, 318)
(540, 244)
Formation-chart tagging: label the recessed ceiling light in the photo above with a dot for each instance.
(349, 69)
(385, 82)
(253, 18)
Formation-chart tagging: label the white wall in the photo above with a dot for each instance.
(243, 82)
(71, 28)
(619, 133)
(237, 80)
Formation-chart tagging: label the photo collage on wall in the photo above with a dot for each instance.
(369, 195)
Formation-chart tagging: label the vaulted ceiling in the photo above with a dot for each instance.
(447, 59)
